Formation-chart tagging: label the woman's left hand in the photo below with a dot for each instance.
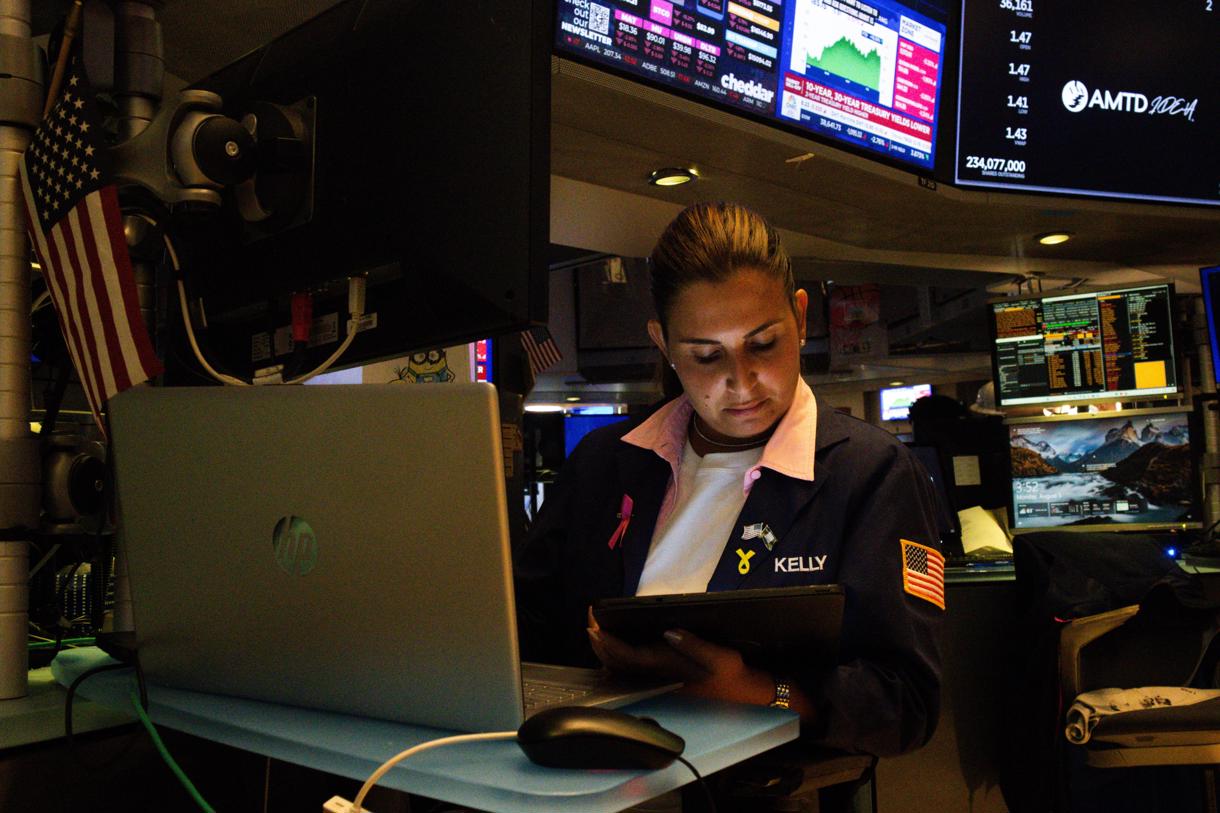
(706, 669)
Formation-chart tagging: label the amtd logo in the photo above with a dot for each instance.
(1076, 97)
(296, 546)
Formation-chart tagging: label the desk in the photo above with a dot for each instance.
(492, 776)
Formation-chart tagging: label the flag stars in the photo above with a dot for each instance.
(72, 120)
(88, 152)
(93, 175)
(73, 80)
(78, 104)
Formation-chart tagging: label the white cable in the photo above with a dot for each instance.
(355, 298)
(415, 749)
(190, 334)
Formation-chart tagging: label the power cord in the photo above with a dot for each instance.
(73, 748)
(707, 792)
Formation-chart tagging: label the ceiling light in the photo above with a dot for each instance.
(1054, 238)
(572, 398)
(672, 176)
(895, 383)
(543, 408)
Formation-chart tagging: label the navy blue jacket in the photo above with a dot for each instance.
(868, 493)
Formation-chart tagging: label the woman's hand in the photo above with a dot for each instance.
(707, 669)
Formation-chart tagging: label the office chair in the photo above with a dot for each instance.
(1139, 646)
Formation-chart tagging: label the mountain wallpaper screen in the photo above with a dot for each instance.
(1106, 470)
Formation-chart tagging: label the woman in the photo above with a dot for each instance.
(747, 454)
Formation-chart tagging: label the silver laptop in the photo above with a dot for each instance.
(333, 547)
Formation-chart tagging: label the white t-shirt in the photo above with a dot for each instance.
(709, 498)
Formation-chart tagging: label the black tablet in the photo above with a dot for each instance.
(770, 624)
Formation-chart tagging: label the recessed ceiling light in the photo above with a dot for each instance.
(1054, 238)
(895, 383)
(572, 398)
(672, 176)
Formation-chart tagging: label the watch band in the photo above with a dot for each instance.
(783, 694)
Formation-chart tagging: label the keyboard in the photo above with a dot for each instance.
(540, 693)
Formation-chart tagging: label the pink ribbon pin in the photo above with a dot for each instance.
(624, 517)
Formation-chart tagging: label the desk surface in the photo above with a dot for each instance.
(39, 716)
(493, 776)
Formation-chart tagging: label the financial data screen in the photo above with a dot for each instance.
(1113, 344)
(1113, 98)
(864, 74)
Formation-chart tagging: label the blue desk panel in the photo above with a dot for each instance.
(492, 776)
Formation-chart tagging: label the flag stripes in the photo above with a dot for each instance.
(541, 349)
(923, 572)
(76, 228)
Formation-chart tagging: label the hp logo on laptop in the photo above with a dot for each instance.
(296, 546)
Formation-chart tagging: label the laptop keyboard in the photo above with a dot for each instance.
(539, 693)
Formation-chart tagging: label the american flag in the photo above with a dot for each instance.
(77, 231)
(923, 572)
(760, 529)
(541, 349)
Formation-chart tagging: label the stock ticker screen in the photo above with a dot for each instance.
(1111, 344)
(866, 74)
(1111, 98)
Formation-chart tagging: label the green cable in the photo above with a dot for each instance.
(169, 760)
(34, 645)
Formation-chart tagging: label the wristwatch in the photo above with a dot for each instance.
(783, 694)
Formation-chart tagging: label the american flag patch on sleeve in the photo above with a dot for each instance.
(923, 572)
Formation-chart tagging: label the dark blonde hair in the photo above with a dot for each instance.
(709, 242)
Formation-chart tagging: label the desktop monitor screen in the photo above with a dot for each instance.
(1210, 278)
(1113, 98)
(896, 401)
(1105, 345)
(1125, 470)
(866, 75)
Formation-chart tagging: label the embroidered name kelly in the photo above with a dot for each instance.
(800, 564)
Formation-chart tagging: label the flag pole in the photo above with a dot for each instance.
(61, 60)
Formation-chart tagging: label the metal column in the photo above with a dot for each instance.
(21, 96)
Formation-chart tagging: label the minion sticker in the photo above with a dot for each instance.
(426, 367)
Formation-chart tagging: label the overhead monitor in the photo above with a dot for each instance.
(1113, 98)
(862, 73)
(1128, 470)
(1107, 345)
(1210, 278)
(896, 401)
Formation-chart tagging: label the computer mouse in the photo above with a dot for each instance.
(587, 737)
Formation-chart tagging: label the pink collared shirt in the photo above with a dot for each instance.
(789, 451)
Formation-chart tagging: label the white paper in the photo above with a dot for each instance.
(966, 471)
(982, 532)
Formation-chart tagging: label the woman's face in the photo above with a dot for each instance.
(735, 346)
